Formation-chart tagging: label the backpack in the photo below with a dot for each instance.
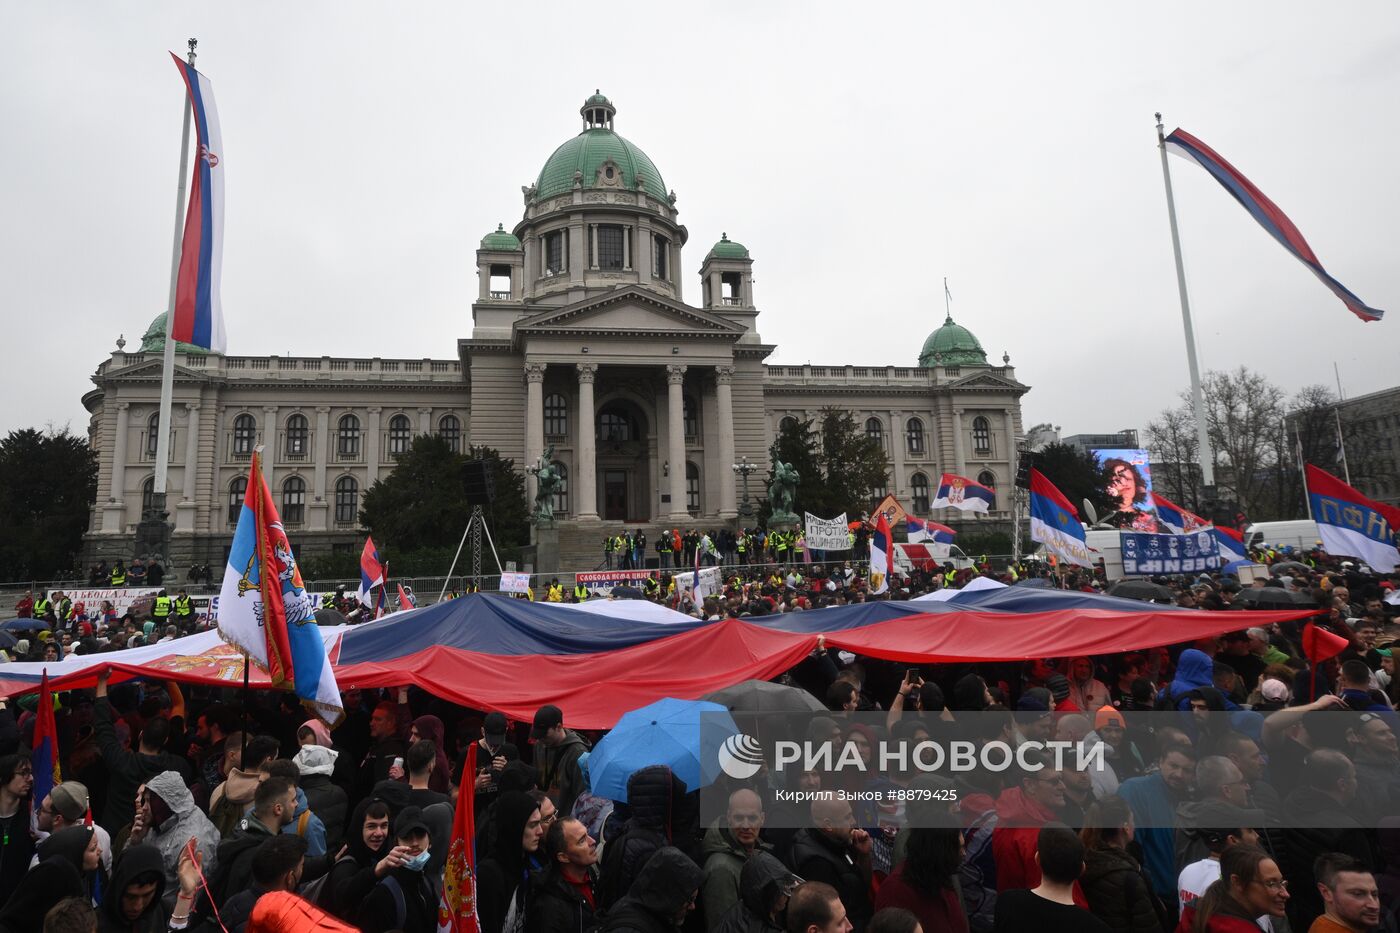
(226, 815)
(318, 892)
(302, 822)
(400, 905)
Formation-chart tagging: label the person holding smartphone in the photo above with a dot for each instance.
(493, 753)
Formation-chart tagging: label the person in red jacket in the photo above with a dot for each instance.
(1021, 811)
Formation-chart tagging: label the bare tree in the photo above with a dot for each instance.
(1172, 440)
(1244, 416)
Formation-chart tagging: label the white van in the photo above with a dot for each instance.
(1301, 534)
(1106, 545)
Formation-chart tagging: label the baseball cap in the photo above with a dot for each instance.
(495, 727)
(1275, 691)
(70, 800)
(546, 718)
(1107, 714)
(409, 823)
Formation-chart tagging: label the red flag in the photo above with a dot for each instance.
(1319, 644)
(405, 601)
(44, 757)
(457, 909)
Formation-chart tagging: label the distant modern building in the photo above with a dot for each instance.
(583, 349)
(1126, 439)
(1371, 432)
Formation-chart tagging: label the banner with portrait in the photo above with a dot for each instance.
(1129, 485)
(1148, 554)
(827, 534)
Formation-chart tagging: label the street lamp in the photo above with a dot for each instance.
(744, 468)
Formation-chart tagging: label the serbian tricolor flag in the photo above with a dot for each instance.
(457, 907)
(1350, 524)
(920, 531)
(1055, 523)
(371, 571)
(881, 555)
(199, 313)
(264, 610)
(406, 600)
(1175, 517)
(1266, 213)
(959, 492)
(1231, 543)
(44, 757)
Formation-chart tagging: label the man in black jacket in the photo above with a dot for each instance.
(128, 770)
(563, 899)
(404, 899)
(274, 805)
(835, 852)
(661, 897)
(277, 866)
(559, 750)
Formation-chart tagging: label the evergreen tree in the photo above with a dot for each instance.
(48, 482)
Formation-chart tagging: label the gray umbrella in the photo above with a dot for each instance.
(1273, 597)
(329, 617)
(1145, 590)
(1289, 567)
(762, 696)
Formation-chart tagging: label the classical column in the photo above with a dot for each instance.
(372, 448)
(627, 249)
(585, 486)
(724, 402)
(897, 444)
(958, 442)
(534, 422)
(675, 447)
(114, 514)
(322, 456)
(425, 421)
(186, 510)
(592, 246)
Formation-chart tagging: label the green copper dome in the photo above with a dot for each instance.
(728, 249)
(500, 239)
(952, 345)
(153, 340)
(587, 152)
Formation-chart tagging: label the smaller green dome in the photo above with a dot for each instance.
(952, 345)
(728, 249)
(500, 239)
(153, 340)
(598, 99)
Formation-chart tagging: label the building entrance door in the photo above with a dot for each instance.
(615, 495)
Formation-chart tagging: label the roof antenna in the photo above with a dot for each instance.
(947, 302)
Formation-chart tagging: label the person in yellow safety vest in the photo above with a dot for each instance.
(556, 592)
(663, 548)
(184, 607)
(42, 607)
(652, 586)
(327, 600)
(530, 593)
(160, 609)
(118, 574)
(949, 577)
(850, 540)
(62, 606)
(741, 544)
(780, 545)
(580, 593)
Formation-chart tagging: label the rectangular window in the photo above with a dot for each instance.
(609, 248)
(554, 253)
(660, 252)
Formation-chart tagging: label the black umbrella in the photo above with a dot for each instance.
(7, 641)
(330, 617)
(761, 696)
(1273, 597)
(627, 592)
(1289, 567)
(1145, 590)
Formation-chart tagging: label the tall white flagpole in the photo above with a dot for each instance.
(1337, 420)
(167, 372)
(1205, 455)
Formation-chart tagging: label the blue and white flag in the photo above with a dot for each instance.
(1350, 524)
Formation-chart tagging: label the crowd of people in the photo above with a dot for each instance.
(215, 809)
(679, 548)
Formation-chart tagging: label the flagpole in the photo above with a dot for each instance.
(167, 372)
(1197, 400)
(1337, 420)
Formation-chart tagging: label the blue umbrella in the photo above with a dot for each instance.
(675, 733)
(1235, 565)
(24, 625)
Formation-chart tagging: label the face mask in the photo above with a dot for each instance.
(418, 862)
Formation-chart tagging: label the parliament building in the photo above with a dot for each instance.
(581, 344)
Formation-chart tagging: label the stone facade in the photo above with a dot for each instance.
(581, 343)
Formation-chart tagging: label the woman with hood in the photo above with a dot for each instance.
(503, 877)
(76, 846)
(1085, 690)
(1194, 670)
(1118, 891)
(765, 884)
(315, 764)
(47, 883)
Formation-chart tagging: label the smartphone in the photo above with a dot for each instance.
(912, 676)
(398, 763)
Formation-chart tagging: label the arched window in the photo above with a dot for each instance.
(615, 424)
(400, 435)
(294, 501)
(237, 490)
(298, 435)
(148, 495)
(789, 423)
(347, 500)
(986, 478)
(561, 495)
(692, 488)
(914, 435)
(919, 485)
(347, 438)
(245, 436)
(450, 430)
(691, 419)
(152, 435)
(556, 416)
(875, 430)
(981, 435)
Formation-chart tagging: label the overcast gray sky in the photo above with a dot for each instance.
(861, 151)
